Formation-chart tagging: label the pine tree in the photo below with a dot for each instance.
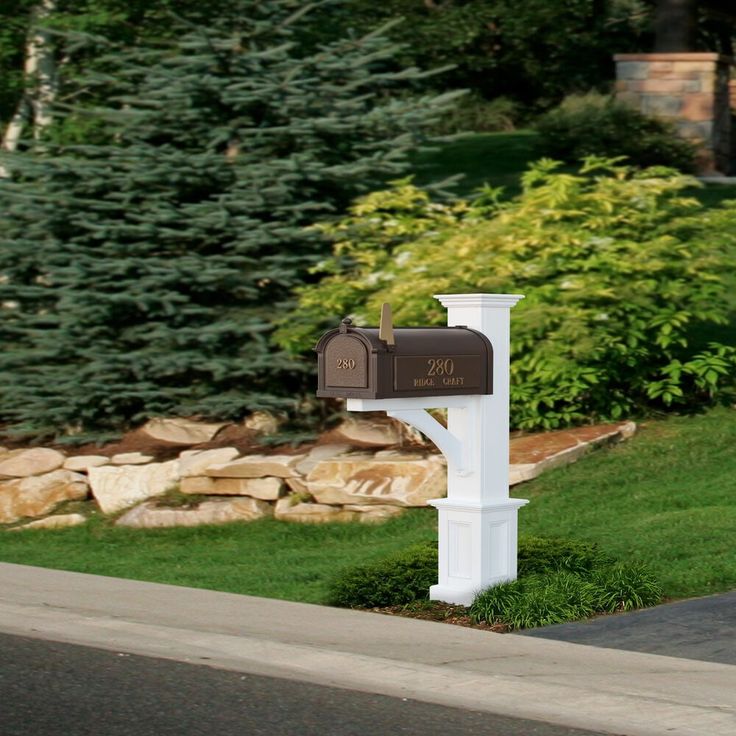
(140, 276)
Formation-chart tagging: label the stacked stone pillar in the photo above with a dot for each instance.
(689, 89)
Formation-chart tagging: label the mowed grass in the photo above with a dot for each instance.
(499, 159)
(666, 497)
(264, 558)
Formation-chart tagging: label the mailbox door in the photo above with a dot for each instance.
(345, 363)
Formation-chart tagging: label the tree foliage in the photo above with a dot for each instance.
(535, 52)
(141, 272)
(126, 22)
(624, 277)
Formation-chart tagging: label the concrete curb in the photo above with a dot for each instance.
(567, 684)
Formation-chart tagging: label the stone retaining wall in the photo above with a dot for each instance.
(366, 471)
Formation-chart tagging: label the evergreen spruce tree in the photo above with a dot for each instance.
(140, 276)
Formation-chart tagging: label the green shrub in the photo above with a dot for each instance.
(545, 554)
(598, 125)
(406, 577)
(622, 272)
(538, 600)
(393, 581)
(473, 113)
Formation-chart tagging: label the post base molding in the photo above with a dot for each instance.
(477, 546)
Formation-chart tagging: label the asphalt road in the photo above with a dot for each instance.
(53, 689)
(699, 628)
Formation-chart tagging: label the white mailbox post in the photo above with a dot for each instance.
(477, 521)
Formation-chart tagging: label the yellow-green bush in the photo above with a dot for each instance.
(622, 272)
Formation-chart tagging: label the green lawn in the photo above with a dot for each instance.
(666, 497)
(497, 159)
(265, 558)
(500, 158)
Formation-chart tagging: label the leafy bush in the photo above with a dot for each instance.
(598, 125)
(623, 275)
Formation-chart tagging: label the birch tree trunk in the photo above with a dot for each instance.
(41, 84)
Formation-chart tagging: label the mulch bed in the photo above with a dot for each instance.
(440, 612)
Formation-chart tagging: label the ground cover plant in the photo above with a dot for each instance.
(622, 275)
(667, 497)
(559, 580)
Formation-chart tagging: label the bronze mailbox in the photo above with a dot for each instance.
(389, 363)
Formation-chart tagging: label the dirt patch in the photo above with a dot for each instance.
(440, 612)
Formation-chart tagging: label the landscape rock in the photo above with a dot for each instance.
(266, 489)
(197, 484)
(116, 488)
(531, 455)
(182, 431)
(39, 494)
(148, 515)
(258, 466)
(25, 463)
(375, 513)
(370, 431)
(82, 463)
(131, 458)
(382, 454)
(319, 453)
(60, 521)
(371, 481)
(195, 462)
(312, 513)
(262, 422)
(297, 485)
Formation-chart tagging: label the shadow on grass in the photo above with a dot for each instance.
(497, 159)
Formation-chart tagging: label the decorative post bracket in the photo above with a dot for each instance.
(460, 455)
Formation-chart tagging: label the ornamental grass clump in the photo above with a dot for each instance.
(626, 281)
(554, 598)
